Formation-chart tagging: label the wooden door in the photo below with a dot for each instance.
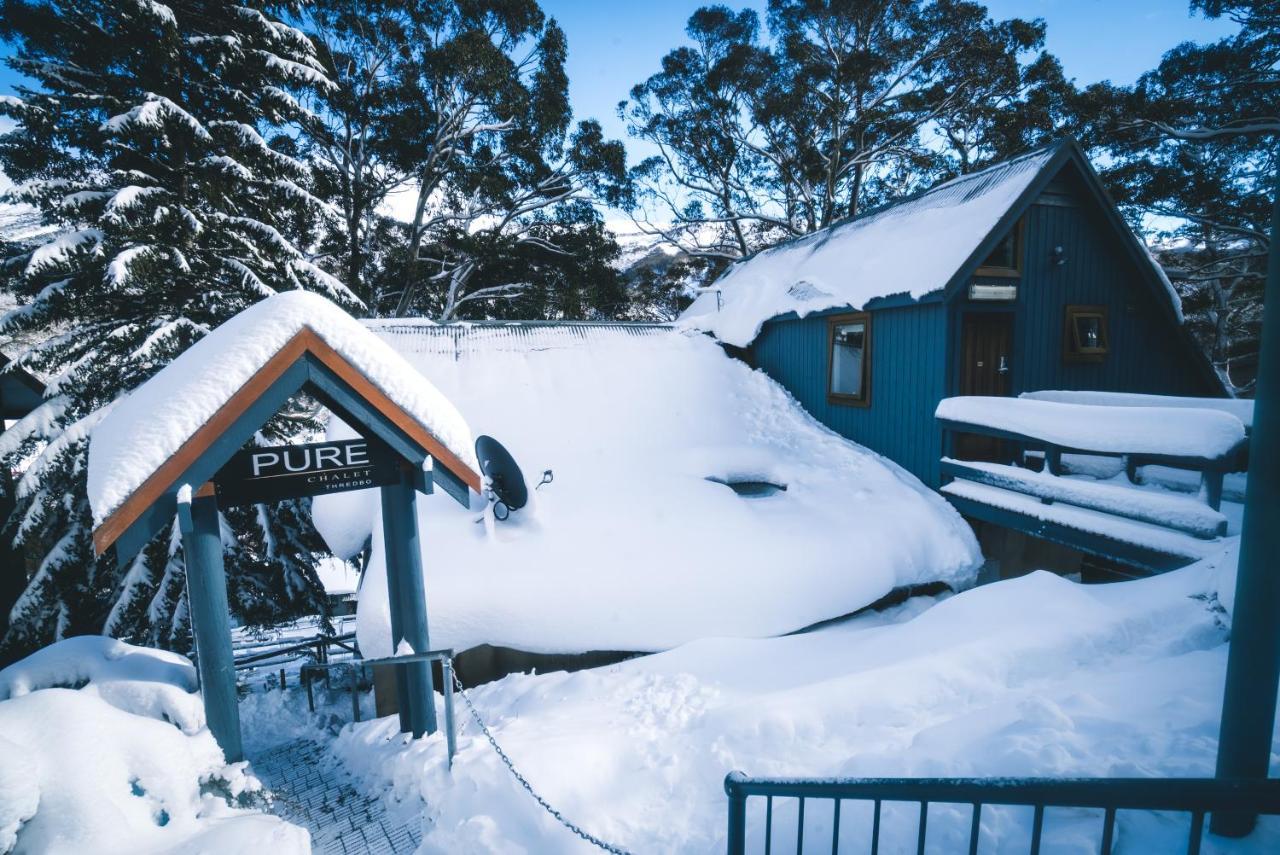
(986, 368)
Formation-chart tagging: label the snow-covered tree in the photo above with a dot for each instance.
(155, 142)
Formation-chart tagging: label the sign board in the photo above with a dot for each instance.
(992, 292)
(293, 471)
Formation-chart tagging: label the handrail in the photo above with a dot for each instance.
(1196, 796)
(445, 657)
(1212, 469)
(312, 644)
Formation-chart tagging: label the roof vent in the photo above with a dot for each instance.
(751, 489)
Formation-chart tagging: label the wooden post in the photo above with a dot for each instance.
(1253, 663)
(408, 600)
(211, 622)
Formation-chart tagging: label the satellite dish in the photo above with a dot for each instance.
(506, 481)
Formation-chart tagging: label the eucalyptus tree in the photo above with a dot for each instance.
(1192, 150)
(347, 133)
(846, 103)
(481, 125)
(152, 142)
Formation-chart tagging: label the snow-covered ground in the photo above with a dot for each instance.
(104, 749)
(1036, 675)
(634, 546)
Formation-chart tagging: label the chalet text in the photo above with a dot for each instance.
(293, 471)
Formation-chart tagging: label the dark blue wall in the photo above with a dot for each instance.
(1148, 353)
(915, 348)
(908, 358)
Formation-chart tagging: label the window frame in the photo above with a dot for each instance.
(1072, 351)
(1019, 234)
(841, 398)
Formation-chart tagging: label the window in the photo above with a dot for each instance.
(849, 374)
(1085, 336)
(1006, 258)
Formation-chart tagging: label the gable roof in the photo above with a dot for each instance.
(928, 243)
(184, 423)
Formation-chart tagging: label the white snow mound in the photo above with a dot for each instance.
(73, 662)
(632, 547)
(145, 428)
(94, 778)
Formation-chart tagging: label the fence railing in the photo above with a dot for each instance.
(1212, 469)
(319, 648)
(1195, 796)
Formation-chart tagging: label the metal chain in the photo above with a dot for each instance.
(524, 782)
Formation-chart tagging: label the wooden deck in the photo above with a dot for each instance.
(1029, 489)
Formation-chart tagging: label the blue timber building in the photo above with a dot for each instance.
(1052, 291)
(1019, 278)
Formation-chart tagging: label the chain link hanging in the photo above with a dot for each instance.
(524, 782)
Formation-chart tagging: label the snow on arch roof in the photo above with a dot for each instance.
(142, 448)
(632, 547)
(915, 246)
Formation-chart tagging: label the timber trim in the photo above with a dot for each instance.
(845, 400)
(1019, 235)
(305, 341)
(1073, 350)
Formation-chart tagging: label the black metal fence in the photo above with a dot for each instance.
(1195, 796)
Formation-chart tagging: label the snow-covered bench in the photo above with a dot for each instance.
(1205, 440)
(1241, 408)
(1108, 515)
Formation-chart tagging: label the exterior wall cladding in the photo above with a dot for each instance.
(915, 347)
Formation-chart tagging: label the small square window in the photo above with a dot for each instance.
(849, 366)
(1085, 336)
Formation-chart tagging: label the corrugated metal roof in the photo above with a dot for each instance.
(416, 335)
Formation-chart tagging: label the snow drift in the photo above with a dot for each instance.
(104, 749)
(633, 547)
(1033, 676)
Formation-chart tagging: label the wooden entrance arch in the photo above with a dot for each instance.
(182, 484)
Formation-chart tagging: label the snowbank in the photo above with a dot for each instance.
(1241, 408)
(143, 429)
(632, 547)
(73, 662)
(105, 769)
(1108, 429)
(1032, 676)
(913, 248)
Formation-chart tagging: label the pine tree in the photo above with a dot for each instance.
(156, 142)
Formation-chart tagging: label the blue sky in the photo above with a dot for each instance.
(614, 45)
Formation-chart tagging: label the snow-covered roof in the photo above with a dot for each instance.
(145, 429)
(913, 247)
(631, 546)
